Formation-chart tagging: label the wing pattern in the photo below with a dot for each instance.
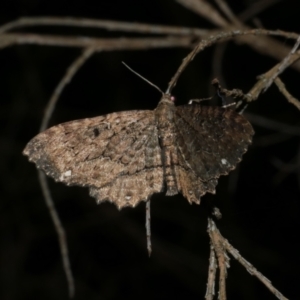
(210, 142)
(117, 156)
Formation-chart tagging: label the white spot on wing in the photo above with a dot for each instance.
(68, 173)
(224, 161)
(64, 175)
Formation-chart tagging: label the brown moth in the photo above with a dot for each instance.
(126, 157)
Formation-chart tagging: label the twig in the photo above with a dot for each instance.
(103, 24)
(282, 65)
(220, 48)
(228, 12)
(212, 269)
(290, 98)
(259, 87)
(204, 9)
(263, 45)
(107, 44)
(221, 245)
(223, 260)
(256, 8)
(60, 232)
(71, 71)
(253, 271)
(148, 228)
(222, 36)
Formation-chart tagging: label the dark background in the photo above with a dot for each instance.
(109, 260)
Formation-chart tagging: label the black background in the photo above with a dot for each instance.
(259, 202)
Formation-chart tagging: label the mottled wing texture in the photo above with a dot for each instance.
(210, 141)
(116, 155)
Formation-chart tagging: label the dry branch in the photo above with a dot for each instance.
(111, 44)
(71, 71)
(221, 246)
(102, 24)
(263, 45)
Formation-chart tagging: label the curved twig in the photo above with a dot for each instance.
(71, 71)
(217, 38)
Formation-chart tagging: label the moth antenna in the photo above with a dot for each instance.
(139, 75)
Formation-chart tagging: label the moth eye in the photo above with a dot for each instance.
(96, 132)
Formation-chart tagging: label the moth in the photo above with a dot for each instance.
(126, 157)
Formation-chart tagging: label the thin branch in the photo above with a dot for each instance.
(107, 44)
(205, 10)
(103, 24)
(217, 38)
(148, 228)
(228, 12)
(256, 8)
(60, 232)
(282, 65)
(290, 98)
(71, 71)
(249, 13)
(266, 46)
(223, 260)
(253, 271)
(259, 87)
(223, 245)
(212, 269)
(263, 45)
